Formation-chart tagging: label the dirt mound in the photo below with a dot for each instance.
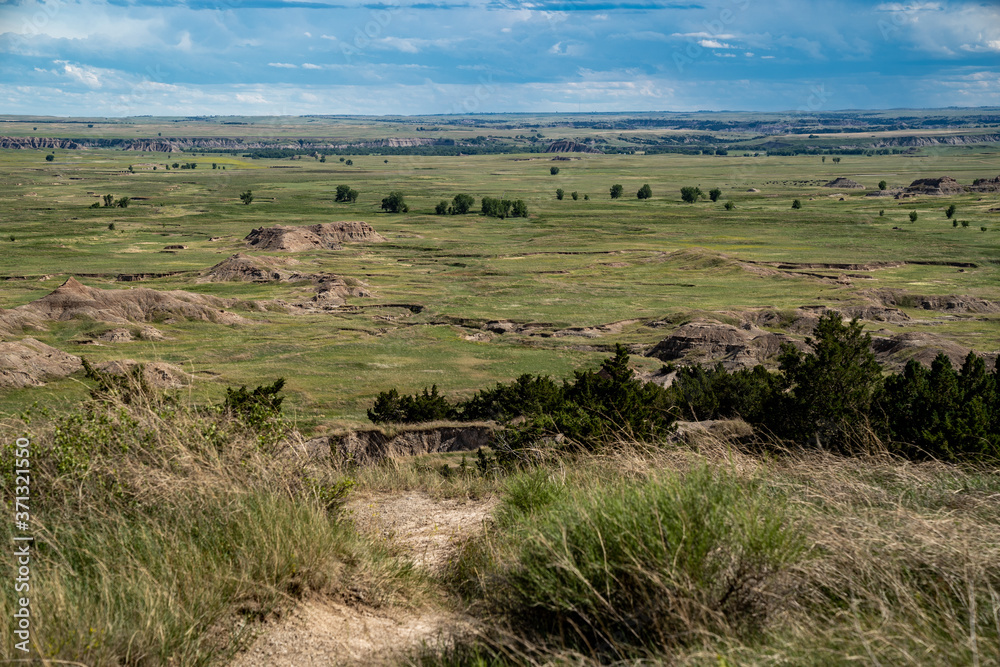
(74, 300)
(156, 373)
(946, 303)
(986, 185)
(945, 185)
(29, 363)
(844, 183)
(374, 445)
(894, 352)
(709, 341)
(326, 236)
(240, 267)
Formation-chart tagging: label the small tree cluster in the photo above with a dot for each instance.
(617, 191)
(504, 208)
(346, 194)
(690, 194)
(560, 193)
(394, 203)
(714, 194)
(246, 197)
(460, 205)
(645, 192)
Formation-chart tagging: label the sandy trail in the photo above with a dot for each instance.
(322, 631)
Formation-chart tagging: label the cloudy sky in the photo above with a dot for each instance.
(184, 57)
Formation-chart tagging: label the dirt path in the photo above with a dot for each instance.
(327, 632)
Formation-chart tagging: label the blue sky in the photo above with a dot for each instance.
(263, 57)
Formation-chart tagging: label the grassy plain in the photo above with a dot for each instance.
(579, 263)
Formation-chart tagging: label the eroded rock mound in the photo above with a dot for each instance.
(156, 373)
(708, 341)
(986, 185)
(29, 363)
(894, 352)
(326, 236)
(570, 147)
(74, 300)
(945, 185)
(844, 183)
(240, 267)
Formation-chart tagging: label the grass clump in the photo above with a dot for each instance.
(626, 568)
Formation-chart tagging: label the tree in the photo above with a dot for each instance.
(950, 211)
(730, 205)
(616, 191)
(796, 204)
(349, 162)
(441, 208)
(246, 197)
(519, 209)
(714, 194)
(690, 194)
(50, 157)
(559, 193)
(836, 160)
(645, 192)
(823, 159)
(109, 200)
(394, 203)
(913, 216)
(830, 388)
(882, 185)
(554, 170)
(346, 194)
(122, 202)
(575, 195)
(462, 204)
(881, 212)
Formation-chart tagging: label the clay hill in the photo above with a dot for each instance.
(844, 183)
(326, 236)
(945, 185)
(986, 185)
(244, 268)
(570, 147)
(29, 363)
(73, 300)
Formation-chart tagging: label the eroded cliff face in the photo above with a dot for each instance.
(180, 144)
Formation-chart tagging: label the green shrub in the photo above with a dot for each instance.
(796, 204)
(714, 194)
(346, 194)
(560, 193)
(395, 203)
(690, 194)
(645, 192)
(617, 191)
(553, 170)
(730, 205)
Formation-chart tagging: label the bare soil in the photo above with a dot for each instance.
(324, 631)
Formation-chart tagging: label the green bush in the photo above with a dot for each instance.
(553, 170)
(714, 194)
(346, 194)
(395, 203)
(560, 193)
(645, 192)
(617, 191)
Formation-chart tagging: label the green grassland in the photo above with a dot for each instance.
(570, 264)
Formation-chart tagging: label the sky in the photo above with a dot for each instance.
(296, 57)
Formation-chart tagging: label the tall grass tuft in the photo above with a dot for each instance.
(624, 568)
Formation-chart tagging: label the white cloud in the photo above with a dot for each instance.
(911, 7)
(749, 54)
(310, 66)
(600, 17)
(714, 44)
(330, 37)
(283, 65)
(703, 35)
(185, 43)
(88, 76)
(307, 34)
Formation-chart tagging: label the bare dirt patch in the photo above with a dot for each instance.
(156, 373)
(429, 529)
(327, 632)
(330, 632)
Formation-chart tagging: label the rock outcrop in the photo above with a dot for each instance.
(570, 147)
(707, 341)
(945, 185)
(29, 363)
(844, 183)
(156, 373)
(74, 300)
(326, 236)
(986, 185)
